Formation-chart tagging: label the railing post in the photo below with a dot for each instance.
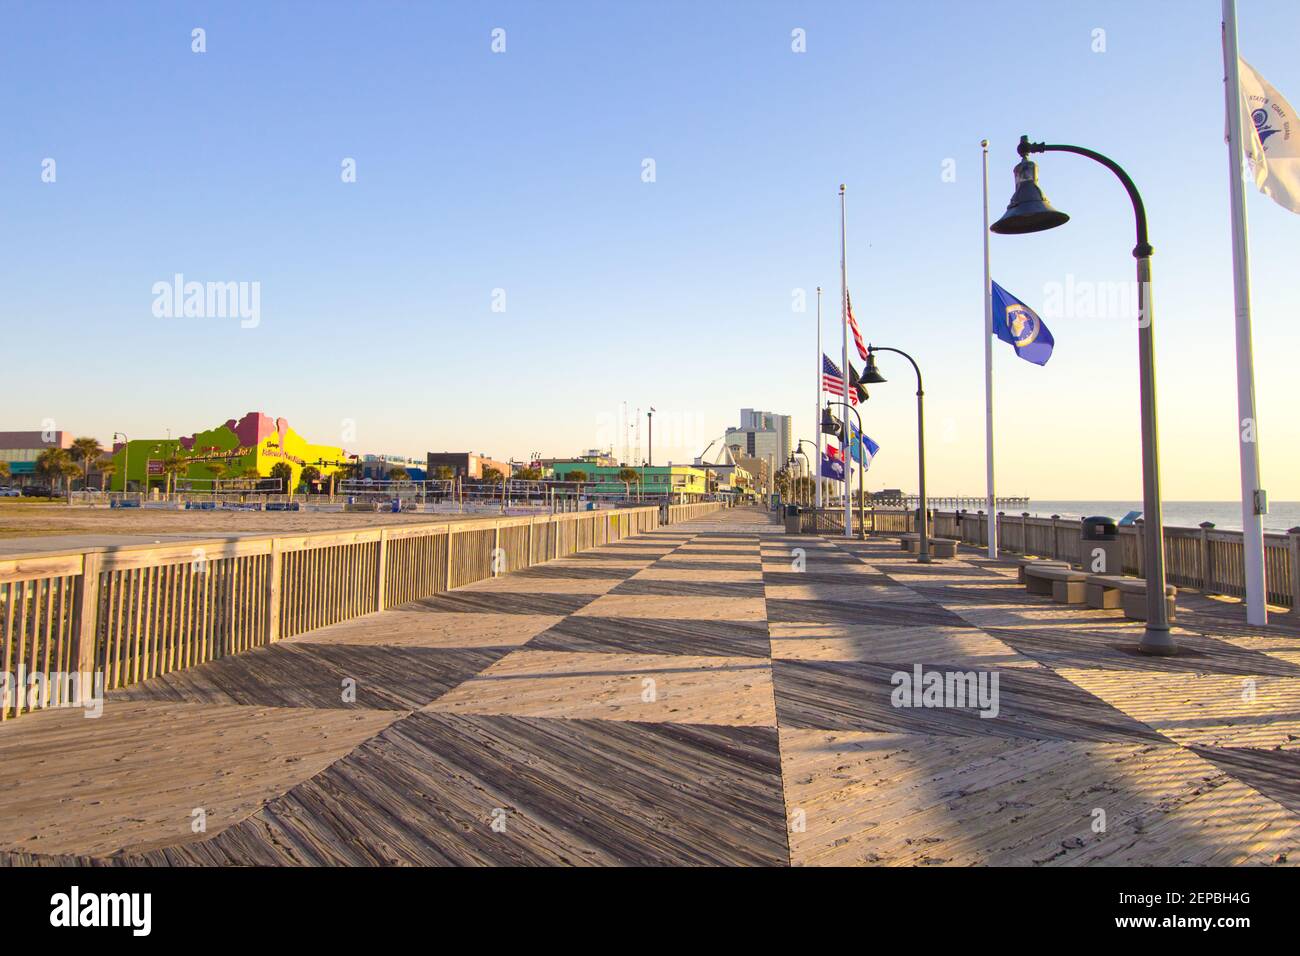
(496, 549)
(1056, 545)
(1293, 542)
(1207, 571)
(1024, 533)
(381, 568)
(449, 542)
(86, 598)
(274, 573)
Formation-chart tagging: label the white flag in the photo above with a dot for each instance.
(1272, 135)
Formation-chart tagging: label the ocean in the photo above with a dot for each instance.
(1226, 515)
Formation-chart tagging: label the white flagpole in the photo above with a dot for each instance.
(817, 409)
(1253, 501)
(991, 502)
(844, 327)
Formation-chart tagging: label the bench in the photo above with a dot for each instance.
(1064, 584)
(1024, 563)
(939, 547)
(1130, 594)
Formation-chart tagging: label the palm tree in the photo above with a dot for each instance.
(105, 466)
(86, 450)
(4, 471)
(172, 466)
(399, 474)
(444, 473)
(55, 465)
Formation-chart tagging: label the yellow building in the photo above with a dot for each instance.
(237, 449)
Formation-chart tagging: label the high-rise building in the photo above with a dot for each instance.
(766, 436)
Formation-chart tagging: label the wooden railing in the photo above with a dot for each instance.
(1203, 558)
(679, 513)
(75, 624)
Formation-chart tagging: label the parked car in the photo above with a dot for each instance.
(7, 492)
(36, 491)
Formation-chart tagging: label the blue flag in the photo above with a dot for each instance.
(1018, 325)
(832, 467)
(862, 447)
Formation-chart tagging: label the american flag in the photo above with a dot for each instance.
(853, 327)
(833, 380)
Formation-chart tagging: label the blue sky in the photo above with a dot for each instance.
(522, 171)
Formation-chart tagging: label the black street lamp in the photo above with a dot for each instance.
(846, 448)
(1029, 211)
(871, 375)
(812, 476)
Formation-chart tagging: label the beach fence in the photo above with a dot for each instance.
(1204, 558)
(77, 623)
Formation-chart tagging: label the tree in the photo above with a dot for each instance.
(56, 466)
(106, 466)
(87, 451)
(399, 474)
(4, 471)
(576, 475)
(629, 475)
(173, 466)
(310, 478)
(529, 474)
(444, 473)
(492, 475)
(284, 471)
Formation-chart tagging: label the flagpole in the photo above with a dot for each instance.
(991, 501)
(817, 409)
(1252, 497)
(844, 327)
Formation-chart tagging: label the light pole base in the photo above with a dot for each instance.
(1157, 642)
(924, 559)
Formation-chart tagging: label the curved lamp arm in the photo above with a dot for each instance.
(1143, 249)
(920, 389)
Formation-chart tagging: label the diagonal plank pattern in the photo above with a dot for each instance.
(714, 693)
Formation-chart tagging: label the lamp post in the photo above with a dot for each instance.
(807, 461)
(862, 476)
(126, 457)
(1029, 211)
(871, 375)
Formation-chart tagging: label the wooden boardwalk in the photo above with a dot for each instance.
(689, 696)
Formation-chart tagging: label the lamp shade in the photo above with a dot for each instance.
(1029, 210)
(871, 374)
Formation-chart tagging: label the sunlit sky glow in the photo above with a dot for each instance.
(522, 171)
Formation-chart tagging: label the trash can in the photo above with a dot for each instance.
(792, 519)
(1100, 549)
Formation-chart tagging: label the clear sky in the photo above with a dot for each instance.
(522, 171)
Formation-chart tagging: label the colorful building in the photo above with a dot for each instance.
(19, 450)
(685, 480)
(255, 443)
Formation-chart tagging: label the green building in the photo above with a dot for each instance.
(684, 480)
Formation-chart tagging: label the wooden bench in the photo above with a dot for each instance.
(1064, 584)
(1130, 594)
(939, 547)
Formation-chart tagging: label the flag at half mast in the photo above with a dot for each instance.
(1020, 327)
(833, 380)
(1272, 139)
(853, 327)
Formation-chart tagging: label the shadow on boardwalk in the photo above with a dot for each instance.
(687, 697)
